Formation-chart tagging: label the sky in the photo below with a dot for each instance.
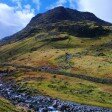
(16, 14)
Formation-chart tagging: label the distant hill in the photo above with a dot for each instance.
(60, 19)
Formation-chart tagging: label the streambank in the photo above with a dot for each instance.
(41, 103)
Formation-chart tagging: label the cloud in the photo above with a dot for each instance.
(73, 4)
(61, 2)
(38, 4)
(18, 3)
(13, 19)
(58, 3)
(102, 8)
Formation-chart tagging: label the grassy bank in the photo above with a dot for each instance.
(6, 106)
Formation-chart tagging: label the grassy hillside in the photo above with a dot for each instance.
(90, 57)
(6, 106)
(64, 87)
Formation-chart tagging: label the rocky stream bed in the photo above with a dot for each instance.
(41, 103)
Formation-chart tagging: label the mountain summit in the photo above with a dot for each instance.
(60, 19)
(60, 14)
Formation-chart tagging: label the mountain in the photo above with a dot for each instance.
(60, 14)
(62, 53)
(60, 19)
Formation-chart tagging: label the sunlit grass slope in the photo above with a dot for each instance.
(6, 106)
(92, 57)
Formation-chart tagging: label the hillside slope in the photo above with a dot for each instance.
(89, 57)
(6, 106)
(80, 45)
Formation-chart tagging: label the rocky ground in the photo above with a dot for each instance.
(41, 103)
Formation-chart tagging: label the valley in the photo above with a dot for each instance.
(48, 73)
(63, 65)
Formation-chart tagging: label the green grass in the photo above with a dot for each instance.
(12, 51)
(6, 106)
(92, 57)
(63, 87)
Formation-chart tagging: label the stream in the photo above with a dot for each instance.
(41, 103)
